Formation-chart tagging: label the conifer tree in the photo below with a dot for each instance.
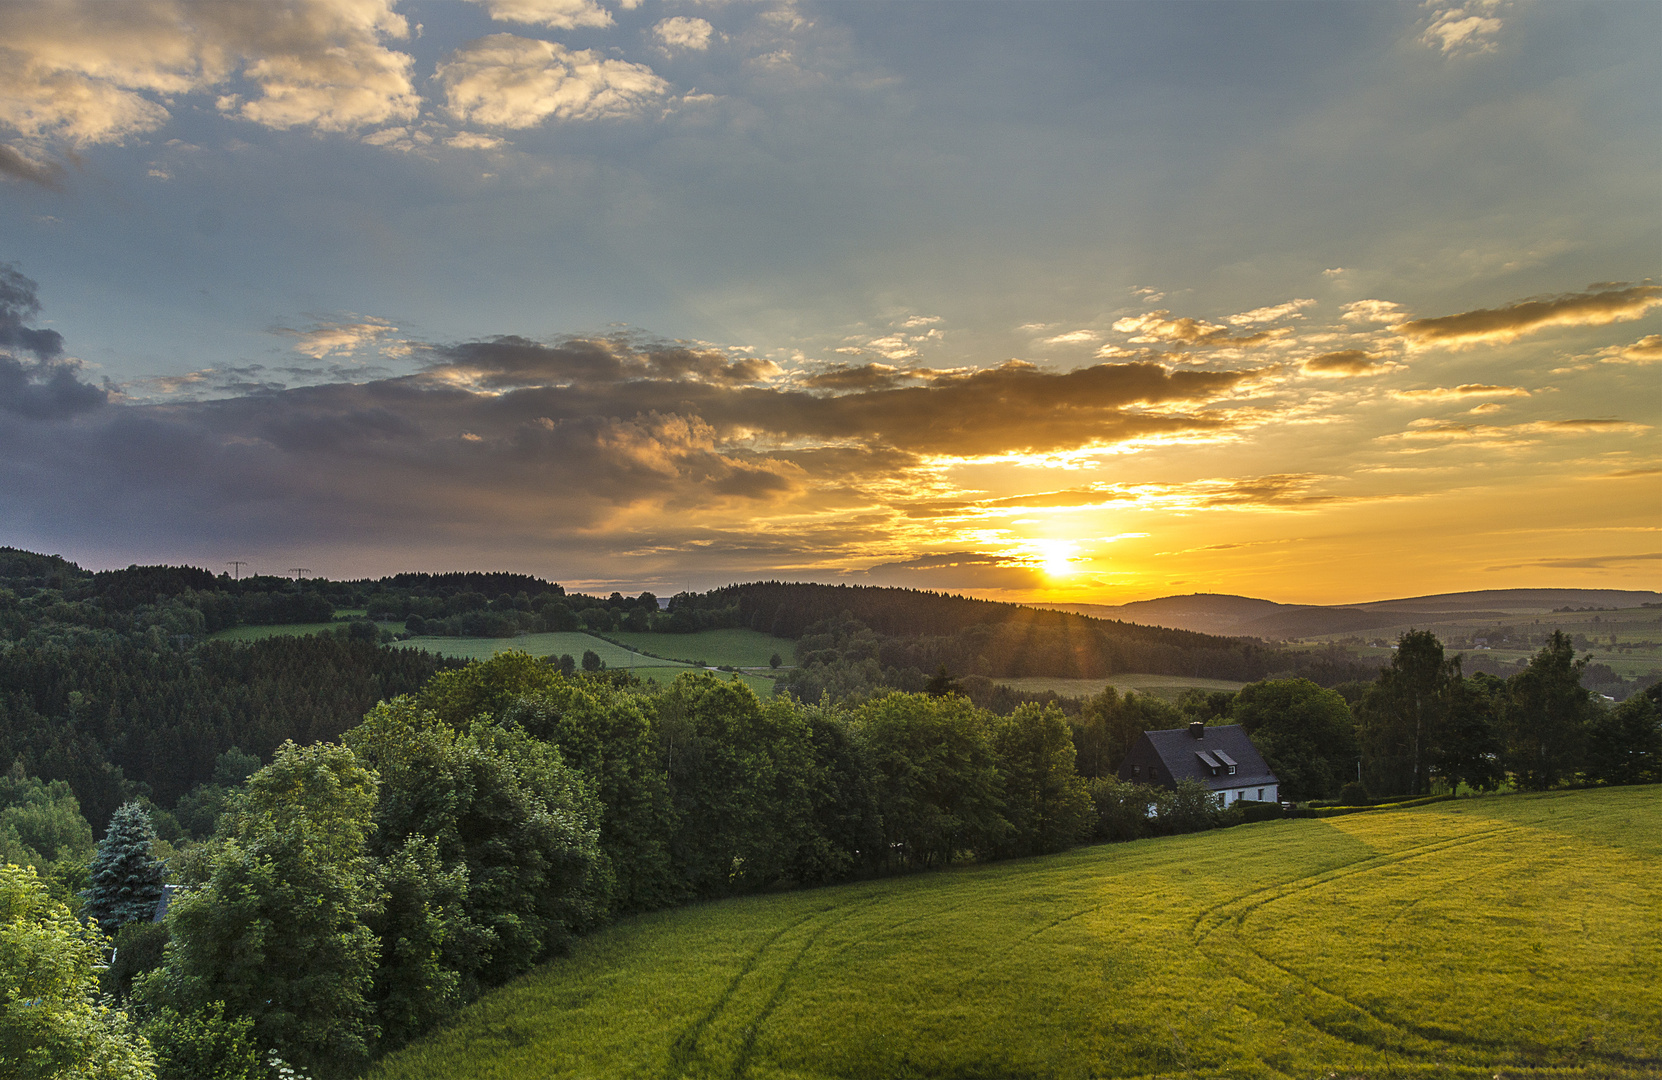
(126, 878)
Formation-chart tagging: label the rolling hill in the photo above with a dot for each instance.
(1509, 935)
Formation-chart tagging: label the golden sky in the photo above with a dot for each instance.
(1086, 303)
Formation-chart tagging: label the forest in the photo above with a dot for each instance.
(364, 837)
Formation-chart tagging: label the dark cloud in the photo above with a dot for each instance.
(48, 174)
(46, 388)
(510, 445)
(17, 303)
(958, 570)
(845, 377)
(1346, 362)
(1596, 307)
(1280, 489)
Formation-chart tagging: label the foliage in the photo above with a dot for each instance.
(203, 1045)
(1546, 716)
(1304, 732)
(51, 1026)
(501, 809)
(1111, 723)
(41, 826)
(1402, 714)
(1122, 808)
(742, 779)
(126, 876)
(1047, 804)
(1624, 744)
(277, 928)
(137, 948)
(605, 734)
(936, 775)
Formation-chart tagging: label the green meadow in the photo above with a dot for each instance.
(733, 647)
(574, 643)
(1169, 687)
(1504, 935)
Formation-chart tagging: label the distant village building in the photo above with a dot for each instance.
(1221, 757)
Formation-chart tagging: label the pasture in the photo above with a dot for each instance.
(1168, 687)
(734, 647)
(1504, 935)
(573, 643)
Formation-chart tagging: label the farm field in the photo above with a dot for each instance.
(574, 643)
(1504, 934)
(733, 647)
(1169, 687)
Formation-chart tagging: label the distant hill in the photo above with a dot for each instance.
(1227, 615)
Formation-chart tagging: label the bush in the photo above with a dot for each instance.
(138, 949)
(1353, 794)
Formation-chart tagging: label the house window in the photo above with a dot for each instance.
(1136, 770)
(1260, 794)
(1232, 770)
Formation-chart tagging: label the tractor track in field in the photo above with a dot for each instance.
(1434, 1044)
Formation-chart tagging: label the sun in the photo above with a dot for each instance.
(1055, 557)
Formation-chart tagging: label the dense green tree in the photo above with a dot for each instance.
(1110, 724)
(52, 1026)
(592, 661)
(431, 950)
(1122, 808)
(1547, 715)
(1401, 716)
(1468, 749)
(742, 777)
(485, 688)
(505, 808)
(603, 732)
(126, 877)
(1046, 802)
(277, 929)
(1624, 744)
(204, 1045)
(936, 773)
(1306, 734)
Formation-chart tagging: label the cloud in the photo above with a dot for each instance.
(1074, 337)
(682, 32)
(1290, 310)
(330, 337)
(17, 165)
(18, 302)
(46, 387)
(1346, 362)
(1500, 325)
(1647, 350)
(1376, 311)
(1585, 562)
(1464, 390)
(1467, 29)
(842, 377)
(958, 570)
(474, 140)
(514, 82)
(1155, 328)
(554, 14)
(81, 73)
(1427, 429)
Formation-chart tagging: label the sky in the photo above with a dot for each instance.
(1320, 303)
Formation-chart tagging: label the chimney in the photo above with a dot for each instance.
(1198, 730)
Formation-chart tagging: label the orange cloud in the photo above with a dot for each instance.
(1500, 325)
(1345, 363)
(1647, 350)
(1464, 390)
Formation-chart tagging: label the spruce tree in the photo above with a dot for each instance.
(126, 878)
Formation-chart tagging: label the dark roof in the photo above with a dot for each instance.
(1184, 757)
(162, 901)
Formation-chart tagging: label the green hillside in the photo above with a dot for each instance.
(1516, 933)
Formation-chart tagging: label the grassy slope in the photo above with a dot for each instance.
(1515, 932)
(574, 643)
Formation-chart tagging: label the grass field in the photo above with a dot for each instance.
(1169, 687)
(574, 643)
(1516, 936)
(735, 648)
